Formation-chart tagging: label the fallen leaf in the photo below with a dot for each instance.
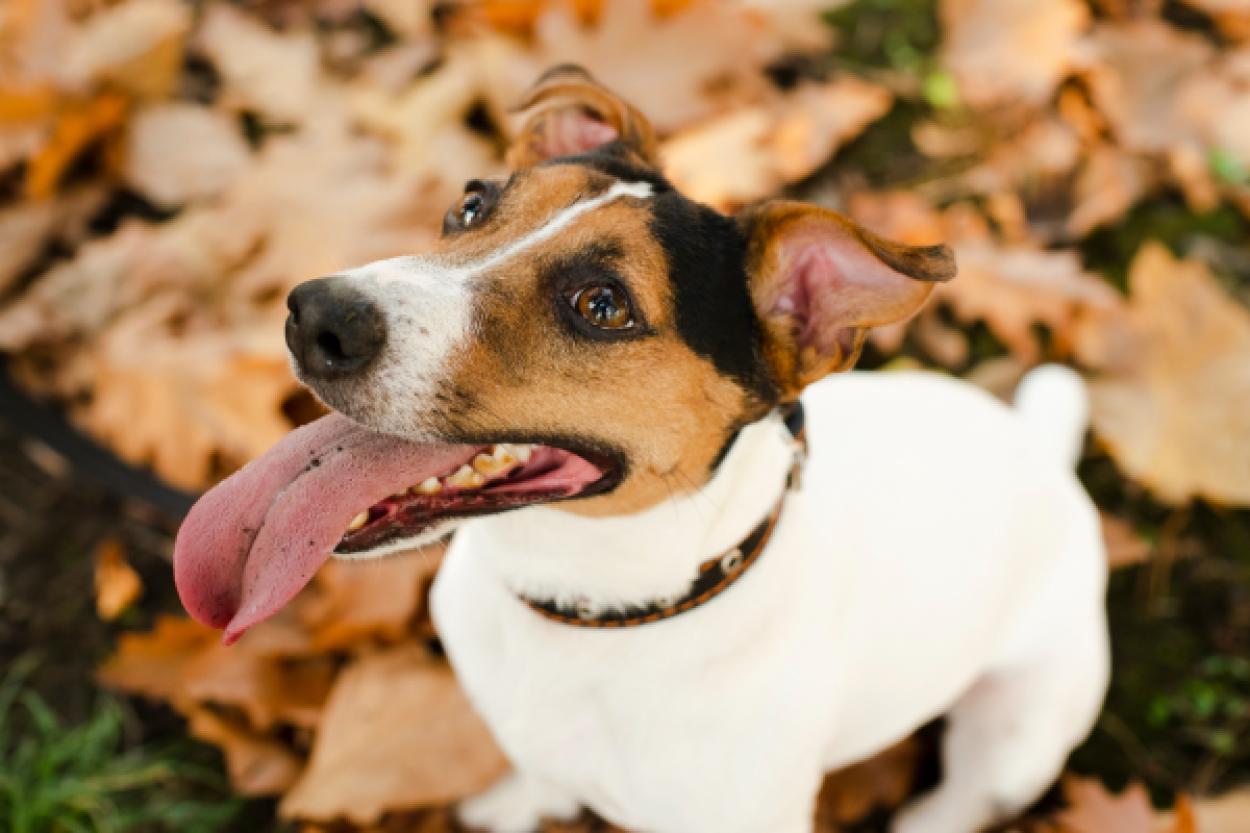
(357, 602)
(397, 734)
(1013, 289)
(117, 585)
(257, 764)
(1173, 403)
(1136, 71)
(269, 691)
(78, 126)
(179, 152)
(135, 46)
(27, 228)
(674, 63)
(1009, 52)
(1109, 184)
(1225, 814)
(151, 664)
(1094, 810)
(882, 782)
(275, 74)
(750, 153)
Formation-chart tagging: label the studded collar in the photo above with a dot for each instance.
(716, 574)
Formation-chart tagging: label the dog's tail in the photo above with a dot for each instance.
(1053, 401)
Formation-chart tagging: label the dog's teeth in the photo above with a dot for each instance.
(358, 522)
(465, 478)
(429, 486)
(497, 462)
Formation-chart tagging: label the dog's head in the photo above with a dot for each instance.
(582, 333)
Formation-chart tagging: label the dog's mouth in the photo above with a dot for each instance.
(252, 543)
(492, 479)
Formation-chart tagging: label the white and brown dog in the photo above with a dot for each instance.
(685, 620)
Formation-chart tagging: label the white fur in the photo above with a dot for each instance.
(941, 557)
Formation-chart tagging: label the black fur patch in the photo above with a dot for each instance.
(706, 254)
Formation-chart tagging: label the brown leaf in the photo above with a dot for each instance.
(135, 46)
(355, 602)
(117, 585)
(750, 153)
(151, 664)
(179, 152)
(397, 734)
(257, 764)
(1013, 289)
(77, 127)
(674, 65)
(1173, 405)
(1135, 71)
(884, 781)
(1010, 51)
(1226, 814)
(1094, 810)
(270, 691)
(275, 74)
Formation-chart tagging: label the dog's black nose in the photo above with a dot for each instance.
(334, 330)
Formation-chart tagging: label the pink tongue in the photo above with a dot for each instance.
(253, 542)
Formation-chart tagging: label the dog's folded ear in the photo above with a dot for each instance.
(819, 282)
(571, 113)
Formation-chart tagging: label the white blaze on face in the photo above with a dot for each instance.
(428, 307)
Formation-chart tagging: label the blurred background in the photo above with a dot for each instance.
(169, 169)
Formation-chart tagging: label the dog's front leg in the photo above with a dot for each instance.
(517, 804)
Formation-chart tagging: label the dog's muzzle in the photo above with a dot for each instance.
(334, 330)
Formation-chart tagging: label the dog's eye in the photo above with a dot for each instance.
(604, 305)
(479, 197)
(471, 208)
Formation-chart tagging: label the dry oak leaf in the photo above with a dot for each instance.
(1226, 814)
(275, 74)
(885, 780)
(27, 227)
(1110, 182)
(1136, 73)
(78, 126)
(117, 585)
(1173, 403)
(750, 153)
(1092, 809)
(269, 691)
(1232, 17)
(680, 68)
(186, 405)
(397, 734)
(353, 603)
(151, 664)
(1012, 289)
(1010, 51)
(256, 763)
(135, 46)
(177, 152)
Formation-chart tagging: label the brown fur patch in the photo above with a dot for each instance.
(648, 397)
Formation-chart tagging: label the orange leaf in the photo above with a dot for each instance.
(77, 128)
(257, 764)
(1094, 810)
(117, 585)
(397, 733)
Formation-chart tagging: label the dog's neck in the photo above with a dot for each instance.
(631, 560)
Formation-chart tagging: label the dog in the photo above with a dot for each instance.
(695, 566)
